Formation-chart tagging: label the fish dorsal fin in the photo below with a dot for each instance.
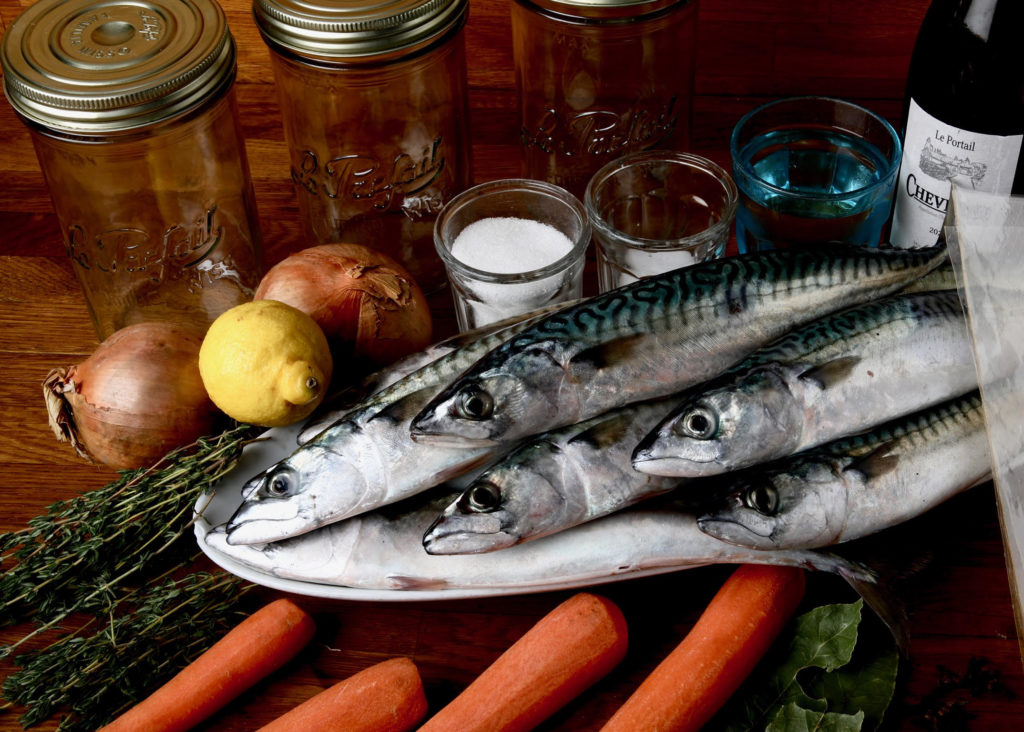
(831, 372)
(469, 337)
(405, 408)
(605, 433)
(876, 463)
(612, 352)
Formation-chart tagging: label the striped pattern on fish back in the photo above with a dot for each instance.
(440, 372)
(725, 288)
(844, 328)
(958, 416)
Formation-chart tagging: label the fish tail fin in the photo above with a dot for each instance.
(867, 583)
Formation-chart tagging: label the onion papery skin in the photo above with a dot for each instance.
(136, 398)
(370, 308)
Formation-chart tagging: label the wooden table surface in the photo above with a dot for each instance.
(749, 50)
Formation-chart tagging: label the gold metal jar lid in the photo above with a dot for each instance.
(93, 67)
(613, 3)
(352, 29)
(607, 9)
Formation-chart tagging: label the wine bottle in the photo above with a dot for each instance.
(963, 119)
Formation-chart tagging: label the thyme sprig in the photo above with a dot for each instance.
(154, 632)
(121, 557)
(69, 559)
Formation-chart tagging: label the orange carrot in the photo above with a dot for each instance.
(565, 652)
(251, 650)
(386, 697)
(735, 630)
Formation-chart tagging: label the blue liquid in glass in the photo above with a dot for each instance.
(807, 186)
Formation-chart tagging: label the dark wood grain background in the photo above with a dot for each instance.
(748, 51)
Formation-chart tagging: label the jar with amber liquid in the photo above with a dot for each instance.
(133, 117)
(598, 79)
(373, 103)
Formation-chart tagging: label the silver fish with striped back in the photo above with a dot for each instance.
(365, 458)
(835, 376)
(855, 486)
(655, 337)
(349, 398)
(552, 482)
(381, 550)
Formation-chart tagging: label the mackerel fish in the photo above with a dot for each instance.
(381, 550)
(855, 486)
(655, 337)
(552, 482)
(835, 376)
(339, 404)
(942, 277)
(364, 458)
(346, 400)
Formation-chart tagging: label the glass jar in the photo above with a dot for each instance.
(374, 107)
(512, 246)
(598, 79)
(132, 113)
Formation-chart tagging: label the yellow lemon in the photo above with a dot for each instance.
(265, 363)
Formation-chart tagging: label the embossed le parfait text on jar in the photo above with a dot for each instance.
(132, 112)
(373, 101)
(598, 79)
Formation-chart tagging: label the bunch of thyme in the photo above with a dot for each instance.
(153, 632)
(89, 555)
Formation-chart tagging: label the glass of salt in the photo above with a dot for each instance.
(510, 247)
(658, 210)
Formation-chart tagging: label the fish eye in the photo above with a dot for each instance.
(762, 498)
(474, 403)
(699, 424)
(482, 498)
(279, 483)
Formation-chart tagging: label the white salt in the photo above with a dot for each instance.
(506, 245)
(638, 263)
(509, 245)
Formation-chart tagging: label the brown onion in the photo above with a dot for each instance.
(369, 307)
(137, 397)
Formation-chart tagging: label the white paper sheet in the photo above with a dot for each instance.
(985, 234)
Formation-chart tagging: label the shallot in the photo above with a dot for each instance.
(137, 397)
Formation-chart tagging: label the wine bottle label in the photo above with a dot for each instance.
(935, 155)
